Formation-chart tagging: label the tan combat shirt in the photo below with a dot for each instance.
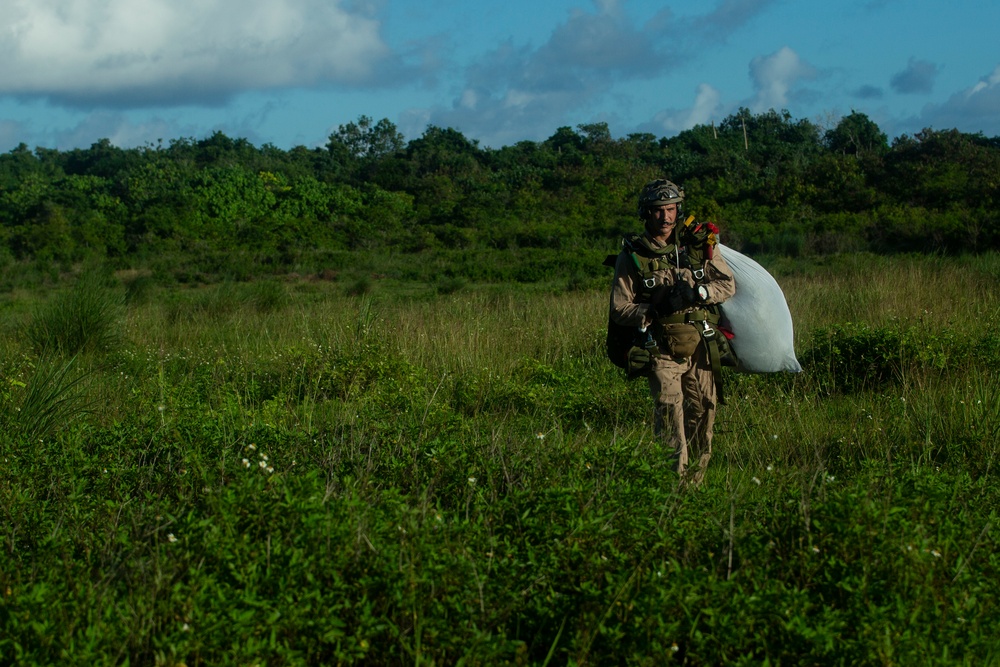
(625, 310)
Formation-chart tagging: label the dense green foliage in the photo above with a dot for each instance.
(201, 210)
(281, 474)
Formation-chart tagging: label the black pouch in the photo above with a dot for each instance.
(639, 362)
(727, 355)
(620, 339)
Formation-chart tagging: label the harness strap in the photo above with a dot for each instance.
(699, 315)
(710, 336)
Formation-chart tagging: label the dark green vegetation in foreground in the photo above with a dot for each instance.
(219, 208)
(276, 473)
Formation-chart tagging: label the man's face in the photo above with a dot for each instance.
(660, 221)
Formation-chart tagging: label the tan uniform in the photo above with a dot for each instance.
(683, 390)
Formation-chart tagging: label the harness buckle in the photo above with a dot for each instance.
(699, 274)
(708, 333)
(649, 283)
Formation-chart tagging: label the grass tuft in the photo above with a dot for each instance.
(50, 399)
(85, 318)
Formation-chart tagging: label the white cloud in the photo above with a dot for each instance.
(775, 76)
(706, 107)
(976, 108)
(599, 44)
(517, 92)
(119, 130)
(987, 83)
(608, 6)
(147, 52)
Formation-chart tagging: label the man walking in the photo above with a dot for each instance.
(668, 282)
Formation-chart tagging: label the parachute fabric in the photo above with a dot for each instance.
(759, 318)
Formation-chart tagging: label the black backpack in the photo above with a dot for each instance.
(620, 338)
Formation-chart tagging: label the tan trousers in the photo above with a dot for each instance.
(683, 392)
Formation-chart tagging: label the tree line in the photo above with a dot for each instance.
(775, 184)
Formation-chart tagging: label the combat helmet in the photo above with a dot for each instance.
(660, 192)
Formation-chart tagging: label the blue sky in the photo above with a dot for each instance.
(290, 72)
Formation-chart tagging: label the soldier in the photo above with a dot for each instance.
(668, 284)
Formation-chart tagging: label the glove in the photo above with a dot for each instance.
(682, 296)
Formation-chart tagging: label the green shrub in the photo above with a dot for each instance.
(267, 296)
(139, 289)
(852, 357)
(211, 303)
(48, 399)
(360, 286)
(86, 318)
(450, 285)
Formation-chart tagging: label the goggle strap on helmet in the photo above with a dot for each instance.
(659, 193)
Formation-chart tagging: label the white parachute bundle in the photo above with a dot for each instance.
(759, 318)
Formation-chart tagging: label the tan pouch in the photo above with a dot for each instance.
(680, 340)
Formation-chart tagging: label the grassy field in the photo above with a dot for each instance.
(310, 472)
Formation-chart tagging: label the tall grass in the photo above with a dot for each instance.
(289, 474)
(875, 290)
(83, 318)
(47, 400)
